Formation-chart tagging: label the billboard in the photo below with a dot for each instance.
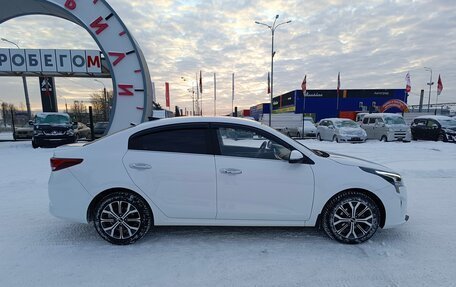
(48, 60)
(48, 94)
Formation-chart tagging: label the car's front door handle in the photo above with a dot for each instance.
(140, 166)
(230, 171)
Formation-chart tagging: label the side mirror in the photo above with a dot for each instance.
(30, 122)
(295, 157)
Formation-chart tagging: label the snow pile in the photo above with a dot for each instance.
(37, 249)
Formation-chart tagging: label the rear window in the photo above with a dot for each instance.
(187, 140)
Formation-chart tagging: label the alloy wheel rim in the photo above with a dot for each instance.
(353, 220)
(120, 220)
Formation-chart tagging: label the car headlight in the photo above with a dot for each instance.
(37, 133)
(393, 178)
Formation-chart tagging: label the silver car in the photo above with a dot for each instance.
(340, 130)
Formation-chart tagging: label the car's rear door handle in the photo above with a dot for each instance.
(230, 171)
(140, 166)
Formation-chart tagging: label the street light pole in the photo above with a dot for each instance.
(105, 106)
(430, 86)
(272, 27)
(24, 83)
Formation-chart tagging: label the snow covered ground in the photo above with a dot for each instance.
(37, 249)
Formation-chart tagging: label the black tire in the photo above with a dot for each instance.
(125, 224)
(298, 135)
(351, 227)
(383, 139)
(334, 138)
(319, 137)
(34, 144)
(441, 137)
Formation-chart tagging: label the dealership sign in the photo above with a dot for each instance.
(58, 61)
(130, 75)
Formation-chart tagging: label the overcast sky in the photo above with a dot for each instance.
(371, 43)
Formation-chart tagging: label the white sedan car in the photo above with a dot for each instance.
(189, 171)
(340, 130)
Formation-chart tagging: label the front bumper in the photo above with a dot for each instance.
(352, 138)
(395, 206)
(54, 140)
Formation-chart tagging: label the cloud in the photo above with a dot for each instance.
(372, 44)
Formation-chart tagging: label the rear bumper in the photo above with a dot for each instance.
(68, 199)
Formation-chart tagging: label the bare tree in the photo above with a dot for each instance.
(101, 106)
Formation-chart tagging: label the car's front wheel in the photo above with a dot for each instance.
(351, 217)
(122, 218)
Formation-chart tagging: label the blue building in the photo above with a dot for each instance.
(328, 103)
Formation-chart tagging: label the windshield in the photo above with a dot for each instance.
(346, 124)
(394, 121)
(448, 123)
(52, 119)
(309, 120)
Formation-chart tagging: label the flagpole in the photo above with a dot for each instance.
(232, 95)
(215, 95)
(201, 91)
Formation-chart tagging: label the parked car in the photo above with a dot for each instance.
(23, 132)
(53, 129)
(83, 131)
(340, 130)
(186, 171)
(99, 129)
(386, 127)
(310, 131)
(437, 128)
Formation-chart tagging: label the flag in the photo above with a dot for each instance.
(408, 85)
(439, 86)
(269, 84)
(201, 82)
(304, 85)
(338, 83)
(167, 94)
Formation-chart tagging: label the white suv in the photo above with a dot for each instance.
(189, 171)
(386, 127)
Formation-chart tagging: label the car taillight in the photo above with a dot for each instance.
(61, 163)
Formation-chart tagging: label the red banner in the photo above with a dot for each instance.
(167, 94)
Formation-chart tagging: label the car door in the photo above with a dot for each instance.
(432, 129)
(379, 128)
(175, 168)
(323, 130)
(419, 128)
(368, 128)
(255, 181)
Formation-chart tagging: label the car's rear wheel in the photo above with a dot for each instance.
(122, 218)
(383, 139)
(319, 137)
(441, 137)
(351, 217)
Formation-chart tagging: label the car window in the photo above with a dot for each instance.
(184, 140)
(431, 123)
(420, 122)
(372, 120)
(365, 120)
(393, 120)
(243, 142)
